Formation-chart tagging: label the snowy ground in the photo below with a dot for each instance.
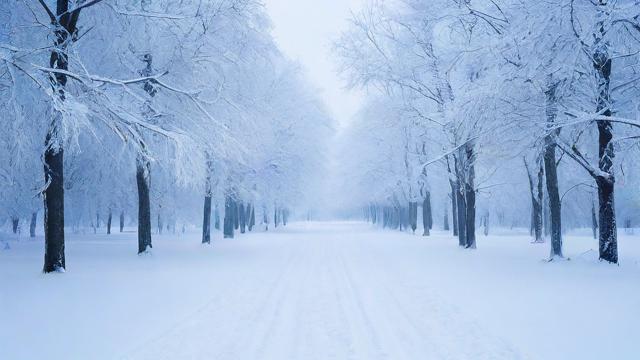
(320, 291)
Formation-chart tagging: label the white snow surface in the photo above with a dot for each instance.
(320, 291)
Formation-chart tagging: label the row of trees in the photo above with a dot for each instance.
(462, 93)
(152, 107)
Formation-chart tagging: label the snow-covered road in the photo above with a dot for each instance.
(317, 291)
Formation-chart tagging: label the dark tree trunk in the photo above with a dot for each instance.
(470, 199)
(206, 221)
(486, 224)
(109, 218)
(446, 219)
(594, 220)
(54, 259)
(144, 206)
(265, 218)
(462, 218)
(413, 216)
(607, 221)
(605, 179)
(236, 215)
(243, 218)
(32, 225)
(229, 220)
(461, 204)
(121, 221)
(15, 224)
(206, 214)
(551, 171)
(426, 214)
(537, 200)
(97, 220)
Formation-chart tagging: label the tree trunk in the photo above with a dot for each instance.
(229, 220)
(537, 194)
(470, 198)
(243, 218)
(454, 207)
(551, 171)
(206, 213)
(121, 221)
(547, 218)
(236, 215)
(594, 220)
(462, 218)
(216, 217)
(426, 214)
(413, 216)
(159, 223)
(206, 221)
(54, 259)
(252, 216)
(109, 218)
(608, 231)
(15, 224)
(486, 224)
(32, 225)
(446, 219)
(265, 218)
(144, 205)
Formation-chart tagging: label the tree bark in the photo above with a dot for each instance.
(206, 221)
(216, 217)
(54, 259)
(454, 206)
(551, 171)
(594, 220)
(413, 216)
(265, 218)
(486, 224)
(446, 219)
(243, 218)
(236, 214)
(537, 200)
(109, 218)
(470, 198)
(32, 225)
(229, 211)
(206, 216)
(144, 205)
(461, 204)
(15, 224)
(605, 180)
(252, 216)
(426, 214)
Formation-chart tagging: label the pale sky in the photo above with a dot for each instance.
(305, 30)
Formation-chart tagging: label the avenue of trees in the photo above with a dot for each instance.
(151, 113)
(503, 112)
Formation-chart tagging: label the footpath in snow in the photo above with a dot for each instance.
(320, 291)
